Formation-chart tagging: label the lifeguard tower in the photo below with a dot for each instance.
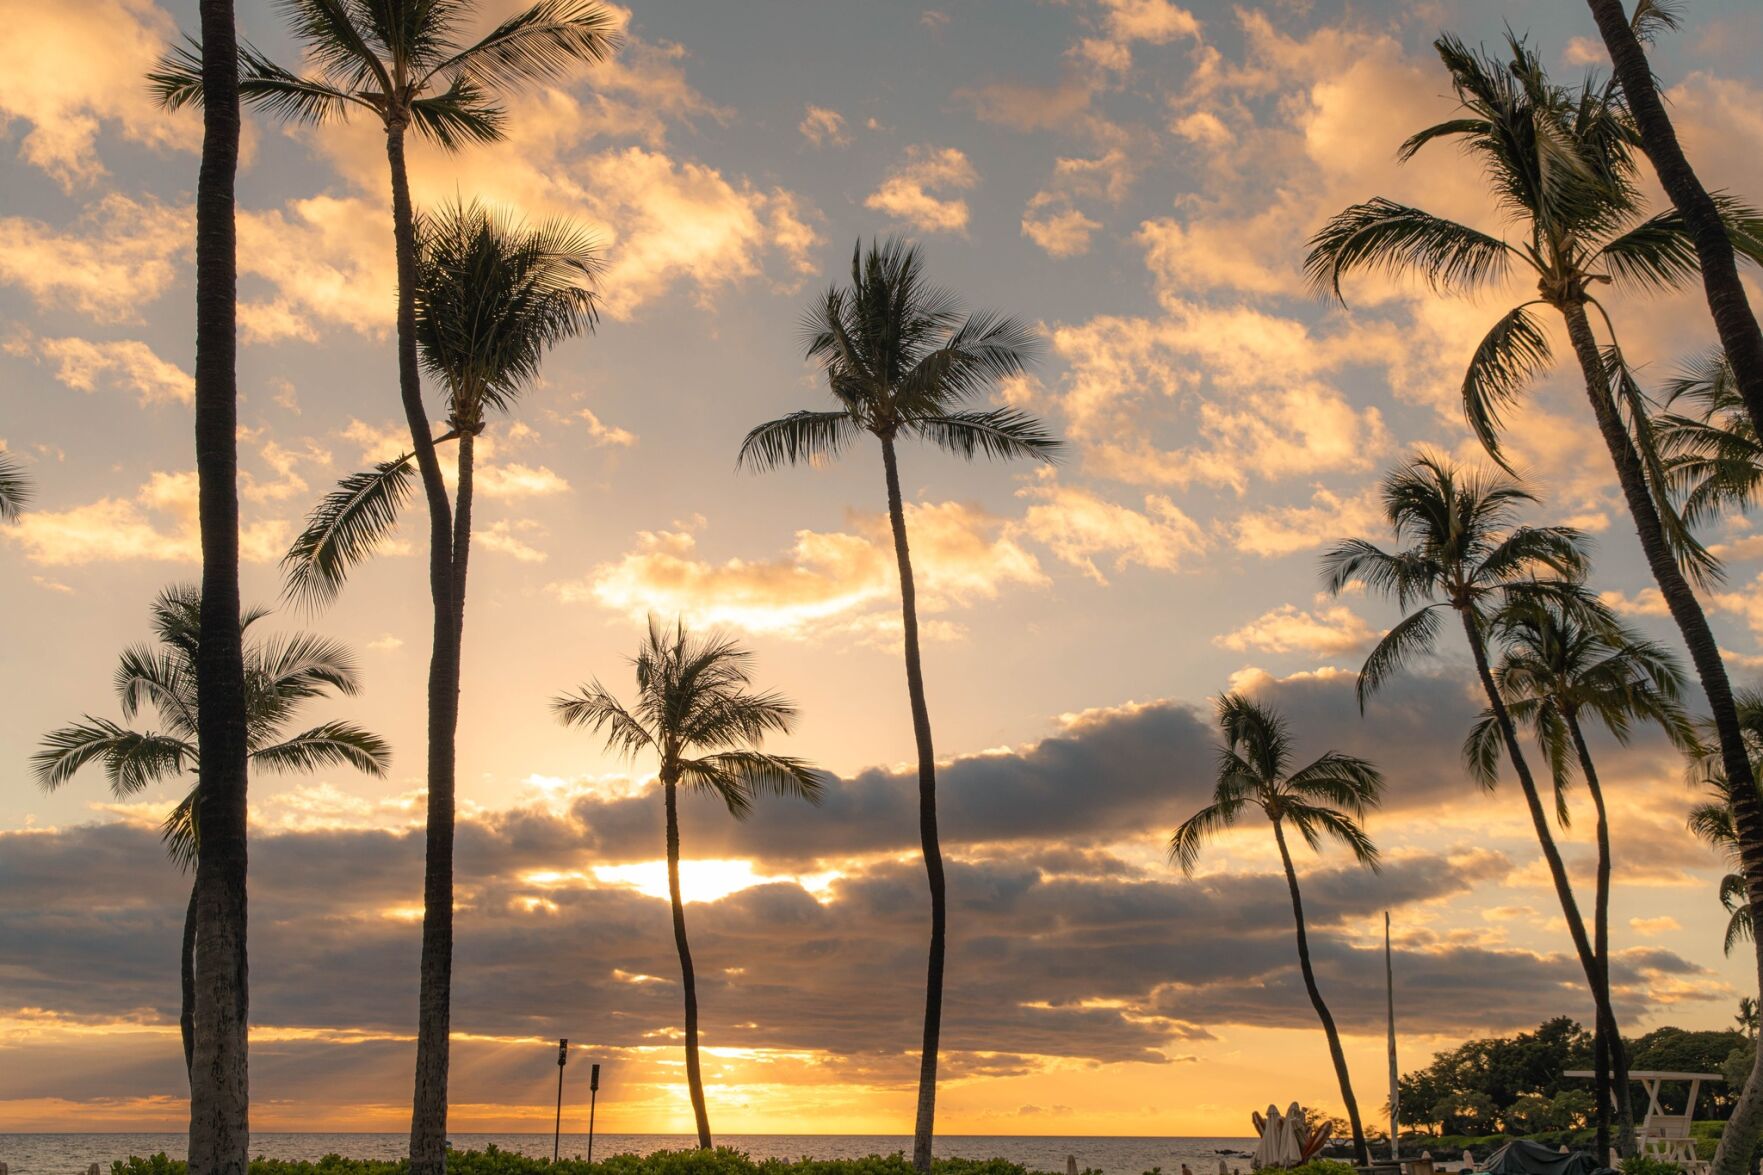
(1664, 1135)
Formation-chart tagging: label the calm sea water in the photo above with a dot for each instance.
(72, 1154)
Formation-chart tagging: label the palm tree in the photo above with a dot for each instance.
(15, 488)
(1561, 164)
(1714, 821)
(407, 64)
(1713, 457)
(901, 359)
(1748, 1018)
(220, 1095)
(1740, 336)
(492, 296)
(698, 715)
(1467, 553)
(1328, 798)
(280, 676)
(1566, 660)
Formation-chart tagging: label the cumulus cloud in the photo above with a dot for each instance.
(823, 127)
(1327, 631)
(830, 583)
(1062, 231)
(157, 523)
(913, 191)
(76, 69)
(1288, 530)
(1079, 526)
(119, 255)
(124, 364)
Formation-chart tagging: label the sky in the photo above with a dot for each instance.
(1135, 178)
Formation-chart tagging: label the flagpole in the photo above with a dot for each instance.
(1389, 972)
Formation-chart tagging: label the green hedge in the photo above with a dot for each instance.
(722, 1161)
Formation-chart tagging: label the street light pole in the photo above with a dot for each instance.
(557, 1131)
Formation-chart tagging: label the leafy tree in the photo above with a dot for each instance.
(902, 359)
(15, 488)
(1468, 554)
(1328, 798)
(1681, 1050)
(1473, 1088)
(281, 675)
(1560, 164)
(697, 714)
(492, 297)
(407, 63)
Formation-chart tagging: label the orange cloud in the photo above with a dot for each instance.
(908, 193)
(1329, 631)
(157, 523)
(124, 364)
(115, 258)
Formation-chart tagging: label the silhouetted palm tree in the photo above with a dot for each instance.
(901, 359)
(492, 296)
(1566, 660)
(1740, 335)
(220, 1096)
(697, 714)
(1713, 458)
(1713, 821)
(1466, 552)
(406, 63)
(15, 488)
(1326, 799)
(281, 674)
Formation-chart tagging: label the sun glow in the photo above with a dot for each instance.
(700, 881)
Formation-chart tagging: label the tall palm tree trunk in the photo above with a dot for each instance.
(1746, 1123)
(428, 1116)
(1737, 325)
(1539, 818)
(924, 1129)
(220, 1097)
(688, 977)
(1361, 1153)
(187, 978)
(1613, 1065)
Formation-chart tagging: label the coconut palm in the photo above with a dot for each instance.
(1466, 552)
(902, 359)
(1714, 821)
(1624, 37)
(1327, 799)
(698, 716)
(220, 1096)
(408, 64)
(492, 297)
(1565, 661)
(1712, 454)
(1561, 166)
(281, 675)
(15, 488)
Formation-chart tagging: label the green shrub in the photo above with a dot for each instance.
(1322, 1167)
(1643, 1165)
(722, 1161)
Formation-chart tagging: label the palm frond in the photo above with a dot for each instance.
(132, 760)
(346, 527)
(1196, 830)
(1414, 636)
(330, 744)
(736, 777)
(180, 832)
(1382, 235)
(1346, 782)
(997, 433)
(15, 488)
(540, 44)
(1653, 18)
(458, 116)
(797, 437)
(594, 707)
(1508, 359)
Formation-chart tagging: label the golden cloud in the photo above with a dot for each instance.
(907, 193)
(115, 258)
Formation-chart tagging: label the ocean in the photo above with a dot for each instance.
(72, 1154)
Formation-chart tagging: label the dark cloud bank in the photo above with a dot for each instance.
(1057, 948)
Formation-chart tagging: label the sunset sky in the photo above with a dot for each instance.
(1136, 177)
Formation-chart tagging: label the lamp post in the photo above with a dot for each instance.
(593, 1097)
(562, 1059)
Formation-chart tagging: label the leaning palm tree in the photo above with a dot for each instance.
(15, 488)
(408, 64)
(697, 714)
(1561, 165)
(902, 359)
(1467, 553)
(1624, 36)
(281, 675)
(1566, 661)
(492, 297)
(1329, 798)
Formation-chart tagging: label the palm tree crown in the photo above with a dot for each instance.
(901, 357)
(698, 715)
(282, 673)
(407, 61)
(1326, 799)
(15, 488)
(1466, 550)
(1713, 821)
(493, 296)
